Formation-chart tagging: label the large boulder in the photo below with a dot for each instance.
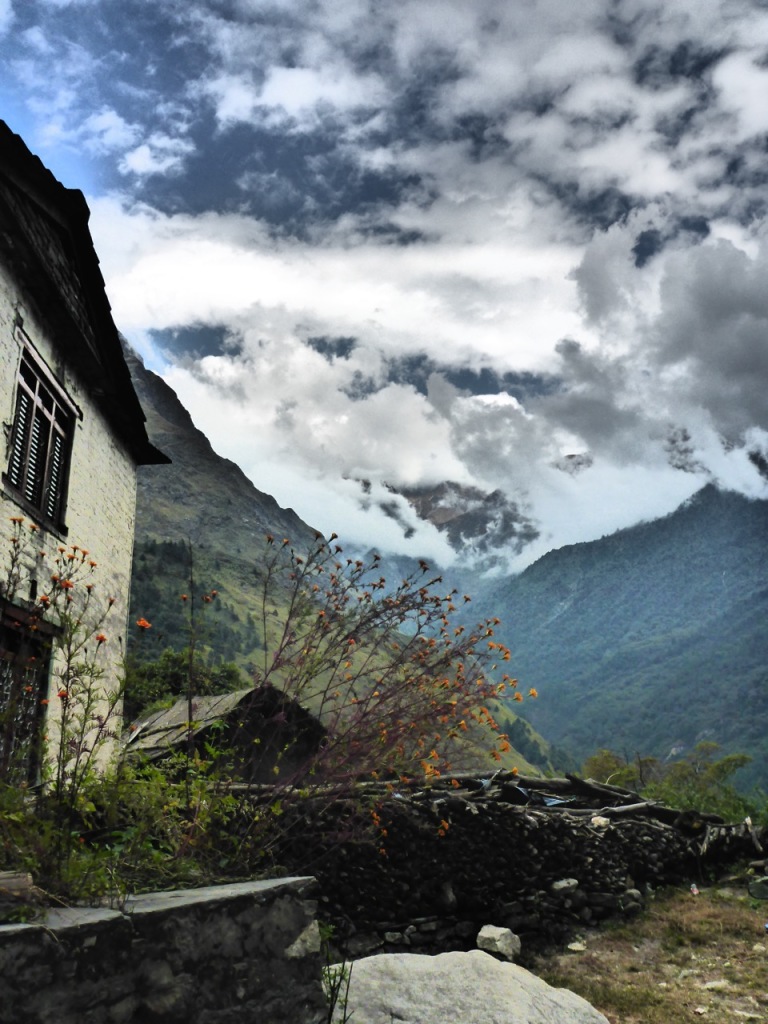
(456, 988)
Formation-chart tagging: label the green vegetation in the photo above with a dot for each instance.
(396, 687)
(154, 684)
(700, 781)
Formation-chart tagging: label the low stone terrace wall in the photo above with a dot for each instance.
(245, 952)
(441, 863)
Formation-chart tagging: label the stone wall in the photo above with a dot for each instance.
(439, 866)
(245, 952)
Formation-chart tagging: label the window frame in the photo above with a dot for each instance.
(40, 443)
(26, 643)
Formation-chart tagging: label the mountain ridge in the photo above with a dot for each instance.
(653, 637)
(645, 640)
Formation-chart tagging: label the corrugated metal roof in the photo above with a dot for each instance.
(169, 728)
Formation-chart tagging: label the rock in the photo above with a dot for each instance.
(564, 887)
(461, 988)
(307, 943)
(499, 940)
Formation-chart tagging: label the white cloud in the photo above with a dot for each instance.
(297, 90)
(743, 86)
(158, 154)
(107, 131)
(554, 169)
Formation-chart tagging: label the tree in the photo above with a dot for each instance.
(398, 685)
(149, 682)
(700, 781)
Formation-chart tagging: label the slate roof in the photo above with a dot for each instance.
(45, 239)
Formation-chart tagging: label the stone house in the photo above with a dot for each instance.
(74, 433)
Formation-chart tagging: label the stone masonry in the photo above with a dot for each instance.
(244, 952)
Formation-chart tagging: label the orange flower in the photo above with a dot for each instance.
(101, 638)
(92, 564)
(63, 694)
(45, 701)
(143, 624)
(44, 600)
(66, 584)
(184, 597)
(518, 696)
(533, 692)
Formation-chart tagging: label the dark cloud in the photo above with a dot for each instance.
(596, 207)
(714, 321)
(333, 348)
(648, 243)
(417, 369)
(359, 387)
(652, 240)
(194, 342)
(658, 66)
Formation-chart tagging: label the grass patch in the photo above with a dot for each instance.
(706, 954)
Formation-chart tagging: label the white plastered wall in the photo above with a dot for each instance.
(101, 494)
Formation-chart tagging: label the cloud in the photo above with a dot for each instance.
(158, 154)
(6, 14)
(107, 131)
(415, 242)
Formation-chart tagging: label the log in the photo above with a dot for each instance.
(601, 789)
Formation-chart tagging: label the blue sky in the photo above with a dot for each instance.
(376, 246)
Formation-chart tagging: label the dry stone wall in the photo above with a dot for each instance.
(222, 955)
(438, 867)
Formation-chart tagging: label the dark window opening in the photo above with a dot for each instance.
(25, 645)
(41, 442)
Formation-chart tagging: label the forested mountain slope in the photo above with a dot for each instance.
(201, 526)
(202, 517)
(650, 639)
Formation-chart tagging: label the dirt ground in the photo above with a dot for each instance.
(686, 958)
